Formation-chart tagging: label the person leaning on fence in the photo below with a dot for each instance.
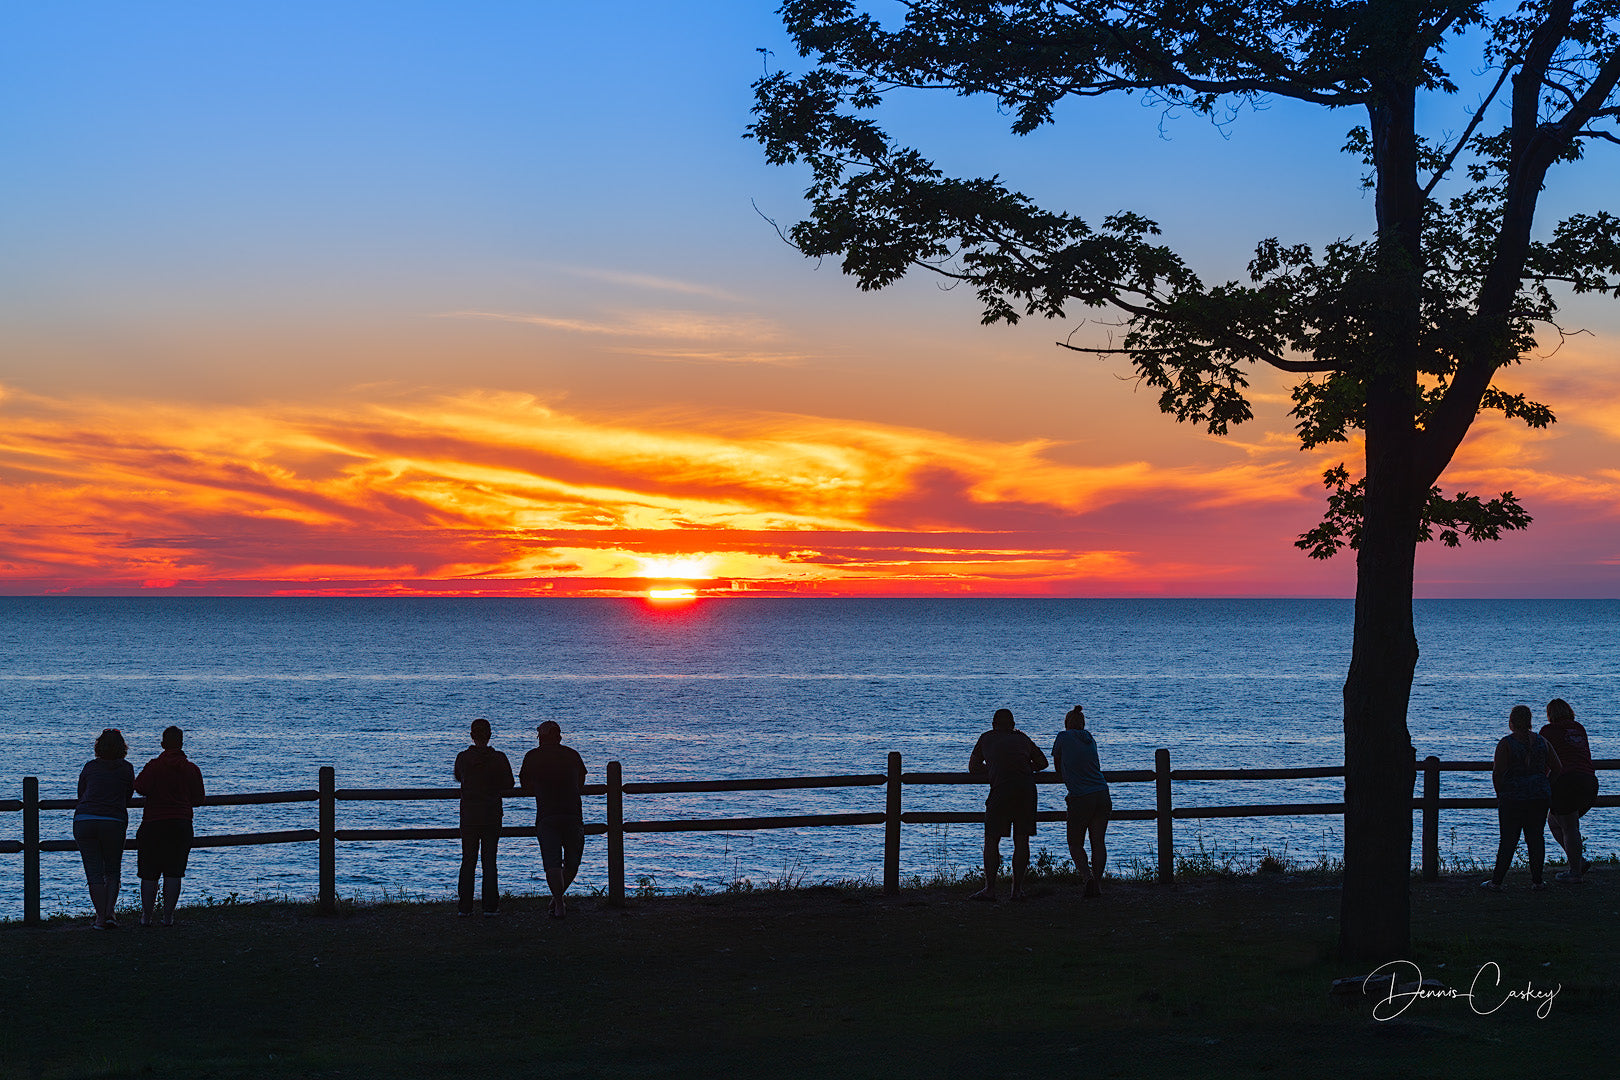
(1009, 760)
(554, 773)
(173, 786)
(1574, 786)
(485, 776)
(101, 819)
(1074, 757)
(1519, 774)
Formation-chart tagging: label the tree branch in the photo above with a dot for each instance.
(1474, 122)
(1534, 146)
(1298, 367)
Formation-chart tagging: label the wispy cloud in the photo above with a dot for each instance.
(653, 282)
(664, 325)
(719, 356)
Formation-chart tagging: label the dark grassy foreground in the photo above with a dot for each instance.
(1221, 977)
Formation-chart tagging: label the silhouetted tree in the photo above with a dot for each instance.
(1398, 337)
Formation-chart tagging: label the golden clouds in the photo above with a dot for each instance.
(502, 492)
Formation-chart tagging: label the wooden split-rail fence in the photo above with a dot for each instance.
(1165, 813)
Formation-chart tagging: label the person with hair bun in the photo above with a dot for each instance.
(1574, 786)
(1074, 756)
(1519, 774)
(100, 821)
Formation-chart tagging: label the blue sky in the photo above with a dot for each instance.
(294, 208)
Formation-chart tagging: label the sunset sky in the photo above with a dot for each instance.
(481, 298)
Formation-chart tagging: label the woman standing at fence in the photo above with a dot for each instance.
(1074, 756)
(1574, 789)
(101, 819)
(554, 774)
(1519, 774)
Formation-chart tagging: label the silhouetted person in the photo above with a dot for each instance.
(1519, 774)
(554, 773)
(1574, 787)
(1010, 760)
(173, 786)
(485, 776)
(101, 819)
(1074, 756)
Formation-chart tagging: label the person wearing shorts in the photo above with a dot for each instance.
(1009, 760)
(101, 820)
(1074, 756)
(1574, 786)
(173, 787)
(554, 774)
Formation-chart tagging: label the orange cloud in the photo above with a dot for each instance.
(483, 492)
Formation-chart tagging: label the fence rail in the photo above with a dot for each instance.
(1165, 813)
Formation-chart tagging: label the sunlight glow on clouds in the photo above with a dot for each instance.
(503, 493)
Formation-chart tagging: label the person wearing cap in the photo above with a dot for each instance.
(100, 820)
(1074, 757)
(173, 786)
(485, 776)
(554, 774)
(1009, 760)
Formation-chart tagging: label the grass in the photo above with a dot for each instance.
(1220, 975)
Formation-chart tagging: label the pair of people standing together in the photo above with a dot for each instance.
(1009, 759)
(554, 774)
(173, 786)
(1546, 777)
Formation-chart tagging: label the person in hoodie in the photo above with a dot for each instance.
(485, 776)
(173, 787)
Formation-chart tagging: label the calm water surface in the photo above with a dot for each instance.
(383, 689)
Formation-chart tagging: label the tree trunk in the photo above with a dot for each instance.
(1379, 763)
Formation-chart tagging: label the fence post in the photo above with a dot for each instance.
(891, 829)
(615, 833)
(327, 898)
(1431, 818)
(1167, 833)
(30, 852)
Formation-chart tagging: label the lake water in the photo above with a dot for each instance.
(269, 690)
